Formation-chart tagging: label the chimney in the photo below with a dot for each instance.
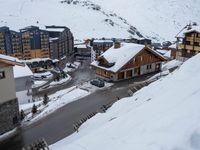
(117, 45)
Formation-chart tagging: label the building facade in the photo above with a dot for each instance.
(188, 41)
(61, 42)
(127, 61)
(10, 42)
(99, 47)
(31, 42)
(9, 109)
(35, 43)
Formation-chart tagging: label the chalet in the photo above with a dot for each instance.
(9, 108)
(127, 60)
(188, 41)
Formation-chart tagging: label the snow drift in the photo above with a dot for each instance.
(162, 116)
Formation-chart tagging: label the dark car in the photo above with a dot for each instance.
(97, 82)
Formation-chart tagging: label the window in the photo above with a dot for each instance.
(148, 67)
(2, 74)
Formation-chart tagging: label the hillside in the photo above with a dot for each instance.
(156, 18)
(162, 116)
(159, 20)
(84, 18)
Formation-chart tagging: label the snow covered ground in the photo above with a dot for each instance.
(74, 66)
(164, 115)
(62, 81)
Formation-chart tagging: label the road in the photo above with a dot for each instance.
(59, 124)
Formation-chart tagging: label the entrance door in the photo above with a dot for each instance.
(129, 74)
(120, 75)
(137, 71)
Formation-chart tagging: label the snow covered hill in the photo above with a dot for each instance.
(155, 19)
(162, 19)
(162, 116)
(84, 18)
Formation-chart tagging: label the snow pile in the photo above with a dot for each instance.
(165, 115)
(171, 64)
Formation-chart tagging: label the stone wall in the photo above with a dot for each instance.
(9, 112)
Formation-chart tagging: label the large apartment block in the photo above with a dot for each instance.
(35, 43)
(32, 42)
(10, 42)
(61, 41)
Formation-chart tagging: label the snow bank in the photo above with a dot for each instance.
(165, 115)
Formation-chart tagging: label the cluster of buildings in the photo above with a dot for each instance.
(54, 42)
(112, 59)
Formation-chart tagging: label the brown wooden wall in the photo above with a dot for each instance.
(145, 57)
(103, 73)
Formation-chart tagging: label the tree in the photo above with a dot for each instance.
(22, 114)
(46, 99)
(34, 109)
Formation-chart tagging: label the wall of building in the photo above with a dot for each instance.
(9, 112)
(7, 85)
(24, 97)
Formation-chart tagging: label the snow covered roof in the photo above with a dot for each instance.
(22, 71)
(55, 29)
(173, 46)
(120, 56)
(81, 46)
(163, 115)
(102, 41)
(35, 59)
(10, 60)
(188, 30)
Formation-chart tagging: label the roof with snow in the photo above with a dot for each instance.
(35, 60)
(191, 28)
(102, 41)
(22, 71)
(10, 60)
(121, 56)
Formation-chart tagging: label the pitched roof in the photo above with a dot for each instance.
(121, 56)
(22, 71)
(10, 60)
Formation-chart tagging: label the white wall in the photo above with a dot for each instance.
(23, 98)
(7, 85)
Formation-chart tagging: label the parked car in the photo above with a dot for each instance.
(97, 82)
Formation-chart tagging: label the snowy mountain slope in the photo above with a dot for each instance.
(162, 116)
(84, 18)
(156, 18)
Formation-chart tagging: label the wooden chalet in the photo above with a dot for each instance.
(126, 61)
